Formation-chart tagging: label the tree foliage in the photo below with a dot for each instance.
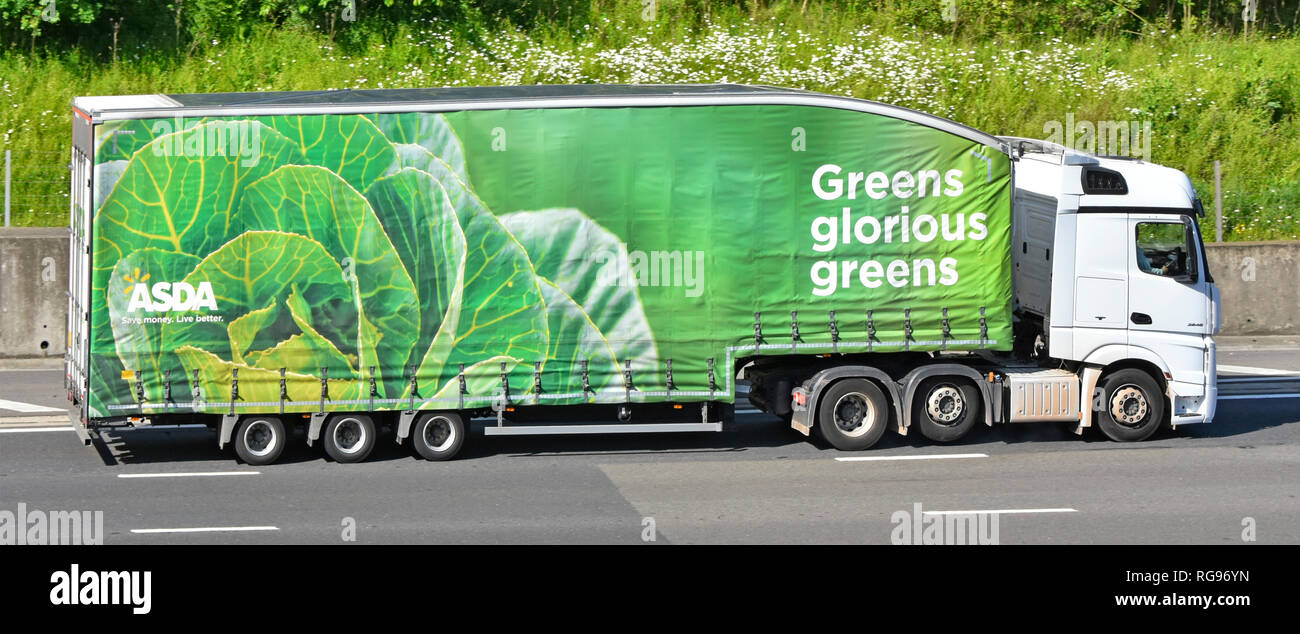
(99, 26)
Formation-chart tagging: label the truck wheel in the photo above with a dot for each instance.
(853, 414)
(1133, 406)
(945, 409)
(349, 437)
(438, 435)
(259, 440)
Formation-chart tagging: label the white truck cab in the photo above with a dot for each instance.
(1126, 285)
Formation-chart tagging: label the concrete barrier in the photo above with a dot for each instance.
(1259, 283)
(33, 291)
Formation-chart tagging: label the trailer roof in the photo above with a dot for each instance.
(106, 108)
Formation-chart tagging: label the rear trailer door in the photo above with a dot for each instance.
(78, 349)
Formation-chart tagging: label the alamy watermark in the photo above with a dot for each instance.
(679, 269)
(917, 527)
(1108, 138)
(49, 11)
(29, 527)
(101, 587)
(948, 9)
(241, 139)
(1249, 10)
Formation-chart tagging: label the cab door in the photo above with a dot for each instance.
(1168, 292)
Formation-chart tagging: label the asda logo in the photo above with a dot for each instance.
(165, 297)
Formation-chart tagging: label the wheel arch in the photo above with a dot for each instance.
(1150, 368)
(818, 384)
(230, 422)
(1116, 357)
(912, 382)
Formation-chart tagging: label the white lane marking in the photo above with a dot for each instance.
(27, 408)
(1246, 369)
(1245, 396)
(192, 474)
(1000, 511)
(204, 529)
(1257, 348)
(927, 457)
(6, 421)
(24, 430)
(1258, 379)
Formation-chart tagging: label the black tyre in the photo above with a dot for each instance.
(1132, 406)
(853, 414)
(349, 437)
(946, 408)
(438, 435)
(259, 440)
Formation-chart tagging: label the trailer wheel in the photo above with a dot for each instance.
(946, 409)
(438, 435)
(349, 437)
(1133, 406)
(259, 440)
(853, 414)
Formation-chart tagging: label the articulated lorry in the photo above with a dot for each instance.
(604, 259)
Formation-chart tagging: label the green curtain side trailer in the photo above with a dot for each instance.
(562, 259)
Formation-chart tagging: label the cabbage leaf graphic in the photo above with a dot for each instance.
(350, 253)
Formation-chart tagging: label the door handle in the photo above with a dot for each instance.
(1141, 319)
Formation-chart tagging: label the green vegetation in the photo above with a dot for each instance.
(1210, 88)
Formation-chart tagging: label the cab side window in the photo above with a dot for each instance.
(1166, 249)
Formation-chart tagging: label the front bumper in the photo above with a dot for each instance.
(1196, 402)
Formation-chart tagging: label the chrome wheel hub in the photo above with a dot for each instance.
(1128, 405)
(945, 404)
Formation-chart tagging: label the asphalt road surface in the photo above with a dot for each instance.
(761, 483)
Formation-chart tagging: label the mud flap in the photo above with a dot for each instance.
(1089, 379)
(404, 425)
(801, 418)
(314, 427)
(227, 431)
